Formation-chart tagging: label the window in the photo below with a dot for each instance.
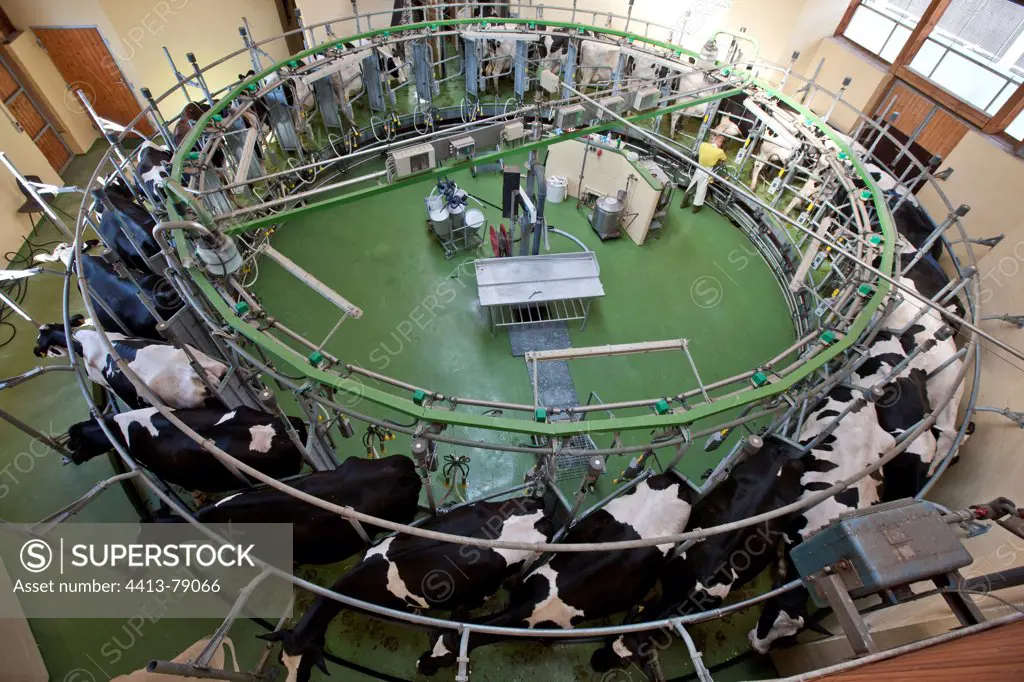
(883, 26)
(976, 52)
(1016, 129)
(965, 55)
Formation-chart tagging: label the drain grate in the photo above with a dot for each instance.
(571, 466)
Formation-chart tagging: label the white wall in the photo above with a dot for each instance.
(780, 25)
(841, 61)
(136, 32)
(27, 158)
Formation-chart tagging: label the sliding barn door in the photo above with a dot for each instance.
(31, 117)
(85, 62)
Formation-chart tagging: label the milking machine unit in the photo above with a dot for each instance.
(455, 227)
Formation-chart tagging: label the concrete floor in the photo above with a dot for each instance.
(378, 254)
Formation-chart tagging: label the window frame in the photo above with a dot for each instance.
(992, 124)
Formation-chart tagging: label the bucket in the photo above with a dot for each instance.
(474, 220)
(441, 223)
(458, 215)
(558, 188)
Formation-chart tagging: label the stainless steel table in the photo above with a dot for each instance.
(534, 289)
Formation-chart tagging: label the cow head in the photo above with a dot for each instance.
(298, 655)
(51, 341)
(443, 654)
(86, 440)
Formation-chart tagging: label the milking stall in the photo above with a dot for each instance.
(612, 340)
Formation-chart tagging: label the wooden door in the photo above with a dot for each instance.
(943, 131)
(82, 57)
(32, 118)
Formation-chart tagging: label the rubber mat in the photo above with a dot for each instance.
(555, 386)
(539, 336)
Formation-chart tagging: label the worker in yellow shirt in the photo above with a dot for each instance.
(709, 156)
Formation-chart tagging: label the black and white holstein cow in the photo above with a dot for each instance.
(854, 444)
(152, 165)
(392, 67)
(597, 62)
(407, 572)
(256, 438)
(166, 370)
(932, 326)
(865, 434)
(572, 587)
(109, 290)
(387, 488)
(703, 576)
(124, 225)
(552, 49)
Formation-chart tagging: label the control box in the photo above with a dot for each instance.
(881, 547)
(572, 116)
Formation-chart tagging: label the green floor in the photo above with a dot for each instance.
(378, 254)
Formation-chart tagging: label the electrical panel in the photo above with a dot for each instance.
(549, 81)
(646, 98)
(614, 103)
(513, 132)
(572, 116)
(411, 160)
(462, 147)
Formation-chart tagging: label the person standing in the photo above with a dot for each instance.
(709, 156)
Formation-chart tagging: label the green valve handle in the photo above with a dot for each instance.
(875, 240)
(419, 396)
(316, 358)
(759, 379)
(540, 415)
(242, 308)
(726, 71)
(251, 87)
(293, 64)
(192, 156)
(662, 407)
(866, 195)
(843, 156)
(828, 337)
(217, 118)
(865, 290)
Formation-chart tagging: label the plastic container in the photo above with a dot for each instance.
(441, 222)
(558, 188)
(475, 220)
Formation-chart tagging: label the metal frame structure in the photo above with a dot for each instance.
(264, 350)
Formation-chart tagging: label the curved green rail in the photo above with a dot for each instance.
(406, 406)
